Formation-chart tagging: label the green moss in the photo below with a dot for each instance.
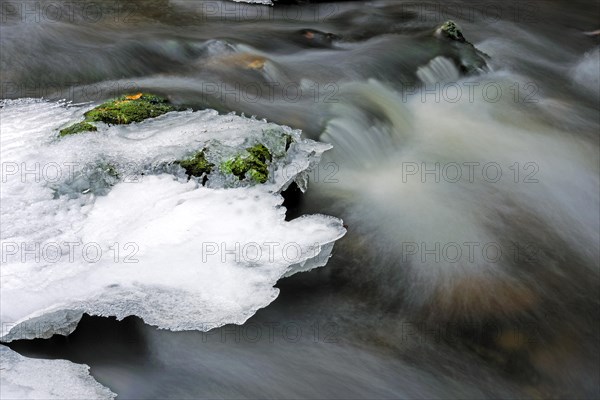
(254, 164)
(451, 30)
(258, 176)
(78, 128)
(128, 109)
(260, 152)
(236, 166)
(197, 165)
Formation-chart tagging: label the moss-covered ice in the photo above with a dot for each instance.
(218, 162)
(246, 164)
(125, 187)
(197, 165)
(254, 164)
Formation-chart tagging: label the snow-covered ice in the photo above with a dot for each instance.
(27, 378)
(79, 237)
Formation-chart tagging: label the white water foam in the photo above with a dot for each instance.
(392, 152)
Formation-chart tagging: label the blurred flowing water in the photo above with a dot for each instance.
(471, 192)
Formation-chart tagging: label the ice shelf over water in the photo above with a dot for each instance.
(105, 223)
(27, 378)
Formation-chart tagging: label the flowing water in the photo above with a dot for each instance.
(468, 180)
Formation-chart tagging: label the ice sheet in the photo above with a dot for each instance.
(151, 242)
(27, 378)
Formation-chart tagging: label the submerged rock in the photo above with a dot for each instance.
(236, 60)
(315, 38)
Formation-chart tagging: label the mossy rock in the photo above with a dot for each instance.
(254, 164)
(121, 111)
(468, 58)
(128, 109)
(78, 128)
(452, 31)
(197, 165)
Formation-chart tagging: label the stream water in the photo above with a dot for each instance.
(469, 184)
